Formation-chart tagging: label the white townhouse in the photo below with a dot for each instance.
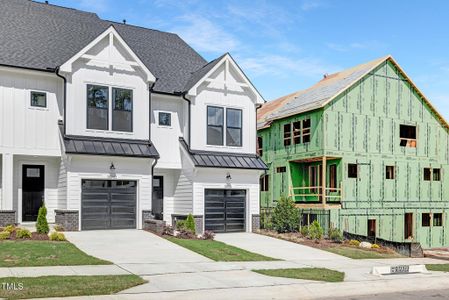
(111, 124)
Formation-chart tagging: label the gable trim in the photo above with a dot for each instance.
(228, 60)
(112, 33)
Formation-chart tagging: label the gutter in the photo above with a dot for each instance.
(189, 114)
(65, 98)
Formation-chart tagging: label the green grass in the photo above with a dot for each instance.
(44, 253)
(319, 274)
(65, 286)
(358, 253)
(438, 267)
(219, 251)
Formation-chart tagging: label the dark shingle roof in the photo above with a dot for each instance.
(209, 159)
(199, 74)
(111, 147)
(42, 36)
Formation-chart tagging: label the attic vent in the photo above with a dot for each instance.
(325, 75)
(124, 21)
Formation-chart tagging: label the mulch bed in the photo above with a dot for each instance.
(296, 237)
(34, 237)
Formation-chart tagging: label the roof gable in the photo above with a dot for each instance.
(222, 73)
(327, 90)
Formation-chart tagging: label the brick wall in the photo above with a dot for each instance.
(68, 219)
(7, 217)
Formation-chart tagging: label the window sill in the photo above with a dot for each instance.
(38, 108)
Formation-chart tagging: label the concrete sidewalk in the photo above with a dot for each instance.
(62, 271)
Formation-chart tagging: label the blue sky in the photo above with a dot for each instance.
(284, 46)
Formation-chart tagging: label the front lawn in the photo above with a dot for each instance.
(319, 274)
(218, 251)
(361, 253)
(44, 253)
(65, 286)
(438, 267)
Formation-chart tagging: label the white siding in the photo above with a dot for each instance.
(83, 167)
(62, 185)
(98, 71)
(25, 129)
(215, 95)
(165, 138)
(1, 180)
(183, 195)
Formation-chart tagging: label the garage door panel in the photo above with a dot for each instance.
(225, 210)
(108, 204)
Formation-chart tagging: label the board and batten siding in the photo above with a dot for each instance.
(25, 129)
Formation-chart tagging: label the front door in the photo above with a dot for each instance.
(33, 187)
(157, 206)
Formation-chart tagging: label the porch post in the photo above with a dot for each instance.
(323, 181)
(7, 182)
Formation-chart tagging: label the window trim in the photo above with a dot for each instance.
(222, 125)
(31, 99)
(259, 149)
(429, 220)
(409, 142)
(439, 174)
(281, 169)
(231, 127)
(264, 183)
(393, 172)
(441, 219)
(333, 177)
(295, 136)
(287, 134)
(113, 108)
(159, 119)
(107, 108)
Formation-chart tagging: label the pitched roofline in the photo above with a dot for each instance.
(381, 61)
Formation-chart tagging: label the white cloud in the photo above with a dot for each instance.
(204, 35)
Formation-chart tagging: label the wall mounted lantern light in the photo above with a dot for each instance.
(112, 172)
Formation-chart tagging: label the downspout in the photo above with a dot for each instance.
(64, 100)
(189, 115)
(150, 92)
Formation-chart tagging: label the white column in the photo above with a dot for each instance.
(7, 181)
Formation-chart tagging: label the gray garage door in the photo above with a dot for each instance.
(108, 204)
(225, 210)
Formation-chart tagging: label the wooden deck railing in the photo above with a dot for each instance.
(331, 194)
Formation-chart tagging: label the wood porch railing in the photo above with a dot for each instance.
(331, 194)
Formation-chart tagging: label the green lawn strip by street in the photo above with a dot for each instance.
(359, 253)
(44, 253)
(319, 274)
(438, 267)
(65, 286)
(219, 251)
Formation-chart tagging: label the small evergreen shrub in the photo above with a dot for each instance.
(208, 235)
(315, 231)
(42, 224)
(355, 243)
(305, 231)
(190, 223)
(335, 235)
(4, 235)
(285, 216)
(58, 227)
(22, 233)
(180, 225)
(265, 220)
(57, 236)
(9, 228)
(375, 246)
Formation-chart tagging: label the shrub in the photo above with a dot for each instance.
(375, 246)
(42, 224)
(180, 225)
(305, 231)
(22, 233)
(168, 230)
(9, 228)
(285, 216)
(315, 231)
(190, 223)
(58, 227)
(335, 235)
(355, 243)
(265, 220)
(4, 235)
(208, 235)
(57, 236)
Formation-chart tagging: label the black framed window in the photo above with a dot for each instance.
(233, 127)
(281, 169)
(38, 99)
(164, 119)
(352, 171)
(437, 219)
(122, 110)
(427, 174)
(215, 119)
(425, 220)
(436, 174)
(264, 183)
(97, 107)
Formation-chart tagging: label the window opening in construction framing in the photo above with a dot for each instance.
(407, 135)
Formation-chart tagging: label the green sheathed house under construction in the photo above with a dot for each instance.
(362, 150)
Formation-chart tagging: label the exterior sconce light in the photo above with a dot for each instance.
(228, 178)
(112, 172)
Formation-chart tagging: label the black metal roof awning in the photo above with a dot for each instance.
(209, 159)
(109, 147)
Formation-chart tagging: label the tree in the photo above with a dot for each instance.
(285, 216)
(42, 224)
(190, 223)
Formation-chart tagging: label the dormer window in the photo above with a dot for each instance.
(122, 113)
(407, 135)
(216, 135)
(233, 127)
(38, 99)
